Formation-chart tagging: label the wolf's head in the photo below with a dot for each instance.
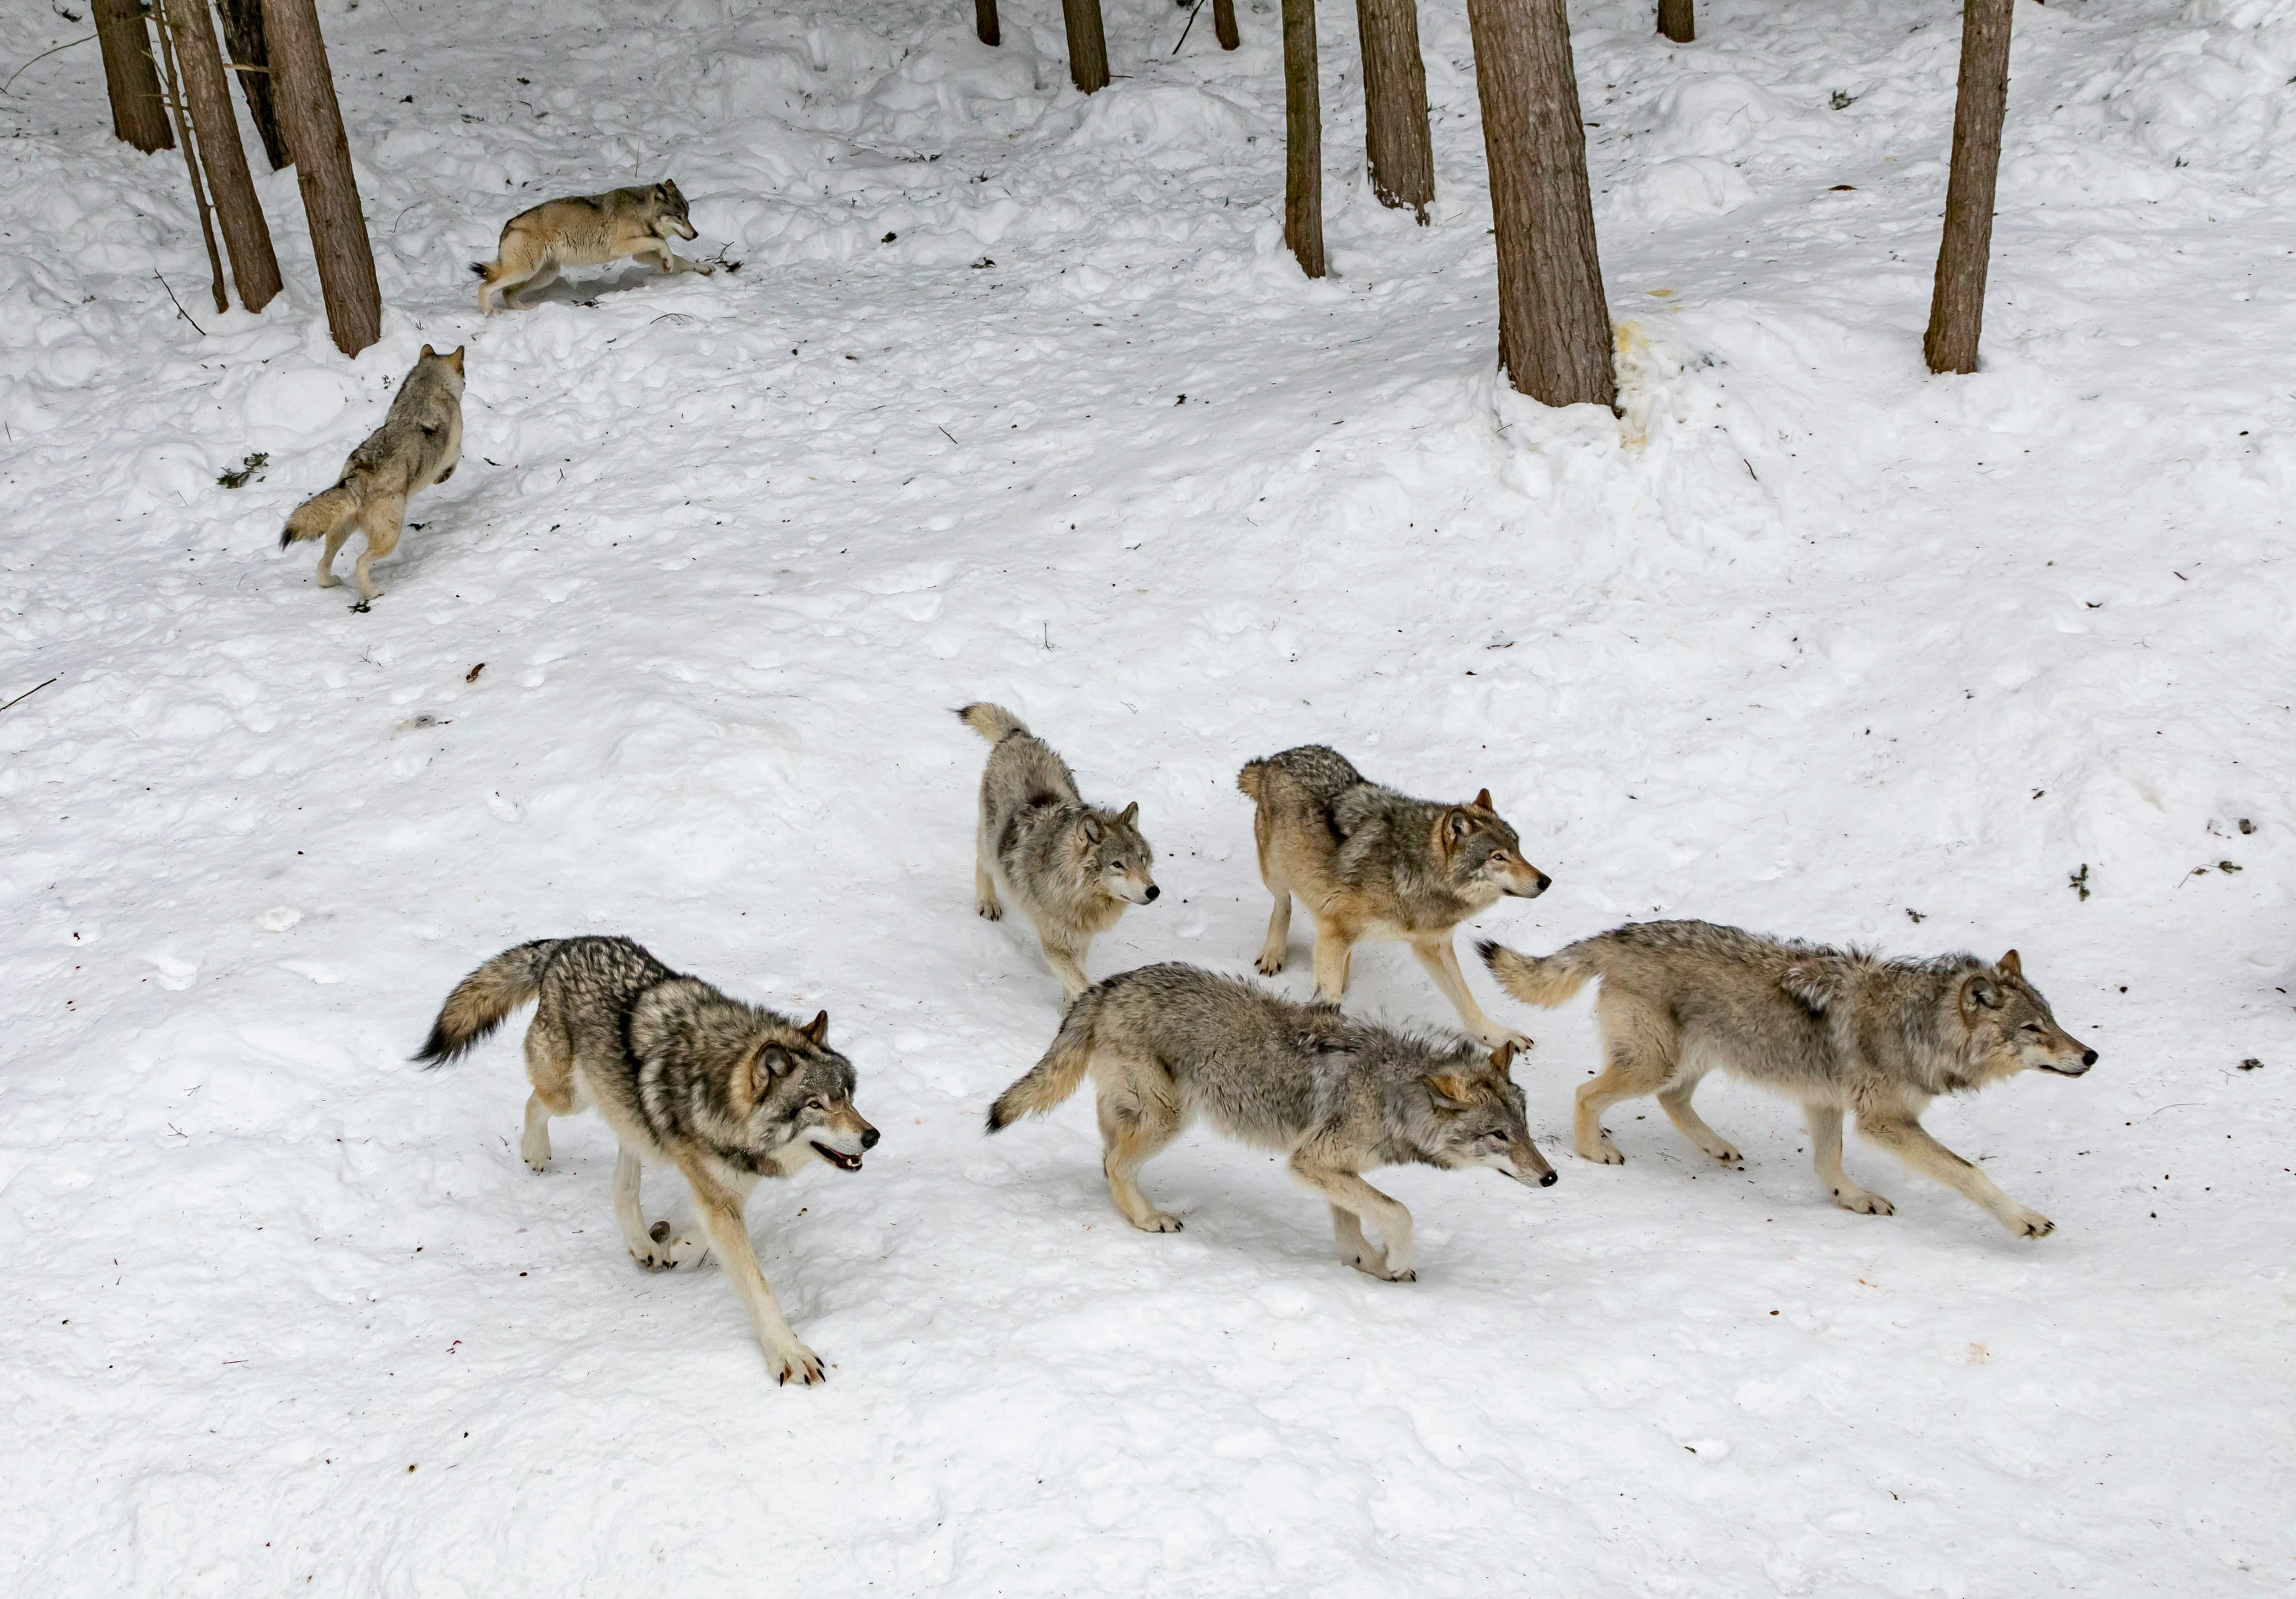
(793, 1096)
(670, 208)
(1479, 1116)
(1484, 855)
(1117, 855)
(2009, 1025)
(449, 366)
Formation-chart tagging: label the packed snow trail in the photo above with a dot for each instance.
(1015, 395)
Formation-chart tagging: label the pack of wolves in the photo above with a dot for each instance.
(730, 1092)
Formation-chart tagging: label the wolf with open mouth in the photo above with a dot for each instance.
(728, 1093)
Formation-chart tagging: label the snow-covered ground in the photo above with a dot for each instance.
(1814, 643)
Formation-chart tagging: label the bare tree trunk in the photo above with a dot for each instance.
(1224, 24)
(305, 88)
(1087, 44)
(242, 37)
(138, 116)
(208, 98)
(171, 83)
(1397, 148)
(1555, 324)
(984, 21)
(1303, 139)
(1957, 303)
(1676, 22)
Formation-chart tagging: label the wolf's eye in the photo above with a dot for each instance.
(815, 1104)
(2033, 1027)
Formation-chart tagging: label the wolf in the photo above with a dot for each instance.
(419, 444)
(1167, 1043)
(1072, 866)
(1842, 1030)
(1371, 863)
(586, 230)
(728, 1093)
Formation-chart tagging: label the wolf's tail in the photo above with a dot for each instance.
(1057, 1076)
(481, 1000)
(991, 722)
(321, 514)
(483, 268)
(1248, 780)
(1544, 981)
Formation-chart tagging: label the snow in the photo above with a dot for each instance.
(1810, 641)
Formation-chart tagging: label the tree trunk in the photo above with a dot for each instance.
(1087, 44)
(984, 21)
(171, 86)
(1957, 303)
(305, 88)
(1676, 22)
(243, 35)
(1303, 139)
(1555, 324)
(1396, 144)
(208, 98)
(1224, 24)
(134, 82)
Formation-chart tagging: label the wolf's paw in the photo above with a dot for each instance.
(1499, 1037)
(329, 580)
(1863, 1201)
(538, 1163)
(2028, 1224)
(1723, 1151)
(794, 1362)
(1603, 1153)
(990, 911)
(1159, 1221)
(1369, 1259)
(1269, 964)
(706, 269)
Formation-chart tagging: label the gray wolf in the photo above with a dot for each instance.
(1072, 866)
(419, 444)
(586, 230)
(726, 1092)
(1371, 863)
(1166, 1043)
(1844, 1031)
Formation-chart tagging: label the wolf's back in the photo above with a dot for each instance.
(1545, 980)
(321, 514)
(481, 1000)
(1317, 770)
(991, 722)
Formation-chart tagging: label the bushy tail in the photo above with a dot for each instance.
(991, 722)
(481, 1000)
(483, 268)
(321, 515)
(1543, 980)
(1248, 780)
(1054, 1077)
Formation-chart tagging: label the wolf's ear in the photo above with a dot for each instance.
(763, 1068)
(454, 358)
(1503, 1056)
(1451, 1090)
(1981, 991)
(670, 187)
(1092, 830)
(817, 1029)
(1483, 800)
(2008, 965)
(1131, 814)
(428, 354)
(1458, 825)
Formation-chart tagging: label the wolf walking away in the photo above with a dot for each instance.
(728, 1093)
(1371, 863)
(1844, 1031)
(1164, 1044)
(586, 230)
(419, 444)
(1073, 867)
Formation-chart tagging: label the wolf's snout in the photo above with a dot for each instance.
(1152, 891)
(2088, 1059)
(1544, 884)
(869, 1139)
(1548, 1180)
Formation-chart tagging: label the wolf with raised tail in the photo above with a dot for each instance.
(1842, 1030)
(728, 1093)
(1372, 863)
(419, 444)
(1165, 1045)
(1074, 867)
(586, 230)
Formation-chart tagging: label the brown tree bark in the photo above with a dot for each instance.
(1676, 22)
(305, 89)
(984, 21)
(1957, 302)
(208, 98)
(1554, 324)
(242, 37)
(1397, 148)
(1087, 44)
(1303, 139)
(1224, 24)
(137, 115)
(171, 89)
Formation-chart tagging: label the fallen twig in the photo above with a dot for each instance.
(43, 55)
(27, 694)
(1192, 10)
(186, 316)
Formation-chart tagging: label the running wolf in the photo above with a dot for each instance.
(728, 1093)
(1073, 867)
(1167, 1043)
(1844, 1031)
(586, 230)
(1371, 863)
(420, 443)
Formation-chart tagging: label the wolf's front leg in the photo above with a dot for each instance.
(1826, 1147)
(1346, 1191)
(653, 1247)
(1355, 1248)
(1441, 960)
(1911, 1142)
(1068, 964)
(729, 1235)
(1333, 941)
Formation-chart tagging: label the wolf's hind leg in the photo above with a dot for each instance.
(328, 552)
(1131, 1130)
(550, 1068)
(984, 876)
(1911, 1142)
(1273, 948)
(382, 520)
(1638, 1047)
(1675, 1099)
(1825, 1150)
(1346, 1191)
(533, 1145)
